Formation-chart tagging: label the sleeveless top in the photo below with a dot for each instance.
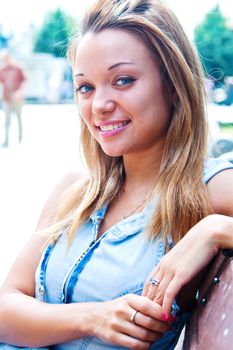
(97, 270)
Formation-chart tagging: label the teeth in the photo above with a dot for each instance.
(112, 127)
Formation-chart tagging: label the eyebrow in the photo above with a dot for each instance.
(110, 68)
(119, 64)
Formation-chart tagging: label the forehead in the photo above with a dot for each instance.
(110, 46)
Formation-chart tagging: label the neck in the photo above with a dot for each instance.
(141, 170)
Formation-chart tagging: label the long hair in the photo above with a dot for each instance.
(180, 197)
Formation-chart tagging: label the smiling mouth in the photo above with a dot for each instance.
(111, 127)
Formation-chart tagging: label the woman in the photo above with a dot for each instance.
(140, 95)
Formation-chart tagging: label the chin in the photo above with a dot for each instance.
(112, 152)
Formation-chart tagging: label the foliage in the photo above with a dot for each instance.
(53, 36)
(214, 41)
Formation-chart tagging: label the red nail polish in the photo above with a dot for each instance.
(171, 318)
(164, 317)
(167, 318)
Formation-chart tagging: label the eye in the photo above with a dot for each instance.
(84, 89)
(124, 81)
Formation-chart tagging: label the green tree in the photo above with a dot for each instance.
(214, 41)
(53, 36)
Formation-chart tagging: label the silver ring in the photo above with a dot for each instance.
(132, 318)
(154, 281)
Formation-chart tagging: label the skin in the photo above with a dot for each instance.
(147, 121)
(123, 86)
(204, 241)
(144, 105)
(17, 95)
(25, 321)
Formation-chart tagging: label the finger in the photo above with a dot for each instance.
(147, 284)
(136, 329)
(170, 295)
(142, 333)
(128, 334)
(129, 342)
(162, 288)
(150, 287)
(146, 288)
(132, 329)
(154, 286)
(150, 323)
(145, 306)
(160, 291)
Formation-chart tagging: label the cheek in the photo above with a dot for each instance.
(157, 100)
(84, 110)
(85, 114)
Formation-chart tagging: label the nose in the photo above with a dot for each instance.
(102, 103)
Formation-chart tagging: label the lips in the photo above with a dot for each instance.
(111, 128)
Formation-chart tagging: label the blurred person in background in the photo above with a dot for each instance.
(12, 78)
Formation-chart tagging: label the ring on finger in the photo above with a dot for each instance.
(132, 318)
(154, 281)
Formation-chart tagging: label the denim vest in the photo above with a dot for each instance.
(96, 270)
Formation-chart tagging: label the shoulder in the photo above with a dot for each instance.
(69, 179)
(213, 166)
(218, 174)
(60, 189)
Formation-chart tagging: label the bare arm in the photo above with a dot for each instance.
(25, 321)
(20, 313)
(196, 249)
(50, 207)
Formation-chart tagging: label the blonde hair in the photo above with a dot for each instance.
(180, 197)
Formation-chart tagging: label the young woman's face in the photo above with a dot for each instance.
(120, 93)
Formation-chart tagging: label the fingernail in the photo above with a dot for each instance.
(164, 317)
(167, 318)
(171, 318)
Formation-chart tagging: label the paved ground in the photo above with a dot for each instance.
(29, 171)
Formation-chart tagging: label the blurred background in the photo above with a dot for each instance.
(36, 35)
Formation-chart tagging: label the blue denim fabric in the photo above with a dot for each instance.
(116, 264)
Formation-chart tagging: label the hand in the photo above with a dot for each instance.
(112, 322)
(189, 256)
